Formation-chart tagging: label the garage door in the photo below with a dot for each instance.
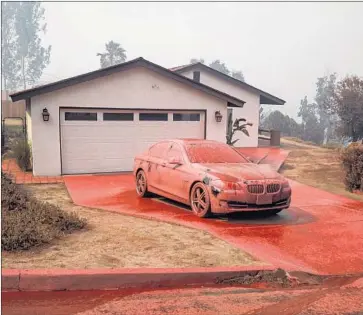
(97, 141)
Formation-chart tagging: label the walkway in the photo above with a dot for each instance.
(10, 167)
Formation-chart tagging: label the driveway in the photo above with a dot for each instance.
(320, 232)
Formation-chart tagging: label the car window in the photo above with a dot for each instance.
(174, 152)
(159, 150)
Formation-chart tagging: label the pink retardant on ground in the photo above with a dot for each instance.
(10, 167)
(323, 235)
(327, 298)
(267, 155)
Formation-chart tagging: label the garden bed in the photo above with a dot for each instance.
(114, 240)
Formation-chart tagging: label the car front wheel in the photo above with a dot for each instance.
(200, 201)
(141, 184)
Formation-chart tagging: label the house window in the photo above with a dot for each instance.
(80, 116)
(118, 116)
(153, 116)
(186, 117)
(196, 76)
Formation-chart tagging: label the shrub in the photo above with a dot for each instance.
(27, 222)
(21, 151)
(352, 159)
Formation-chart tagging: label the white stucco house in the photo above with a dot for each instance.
(100, 120)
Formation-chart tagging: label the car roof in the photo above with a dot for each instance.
(185, 141)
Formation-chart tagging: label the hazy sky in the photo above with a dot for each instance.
(280, 47)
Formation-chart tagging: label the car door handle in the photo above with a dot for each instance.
(163, 164)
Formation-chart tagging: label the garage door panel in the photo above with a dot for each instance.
(110, 146)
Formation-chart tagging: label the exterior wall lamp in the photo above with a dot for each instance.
(218, 116)
(45, 114)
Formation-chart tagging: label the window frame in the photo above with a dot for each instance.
(196, 76)
(154, 113)
(92, 114)
(110, 113)
(178, 147)
(189, 116)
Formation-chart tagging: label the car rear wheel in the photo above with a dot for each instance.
(200, 201)
(141, 184)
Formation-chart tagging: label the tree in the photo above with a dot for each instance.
(278, 121)
(195, 60)
(348, 98)
(10, 65)
(219, 66)
(33, 56)
(312, 130)
(324, 99)
(114, 55)
(238, 75)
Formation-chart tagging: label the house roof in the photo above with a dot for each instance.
(265, 98)
(138, 62)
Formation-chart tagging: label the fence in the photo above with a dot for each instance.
(10, 109)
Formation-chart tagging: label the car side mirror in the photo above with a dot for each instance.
(175, 161)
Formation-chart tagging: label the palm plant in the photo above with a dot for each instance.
(240, 124)
(114, 55)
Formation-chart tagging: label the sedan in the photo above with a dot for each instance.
(211, 177)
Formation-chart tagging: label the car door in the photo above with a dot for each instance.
(155, 162)
(173, 176)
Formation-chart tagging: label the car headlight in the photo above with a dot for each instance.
(219, 185)
(285, 184)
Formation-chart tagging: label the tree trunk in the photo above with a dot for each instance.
(5, 87)
(23, 71)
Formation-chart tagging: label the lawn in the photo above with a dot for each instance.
(114, 240)
(315, 166)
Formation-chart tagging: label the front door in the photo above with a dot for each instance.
(173, 177)
(155, 163)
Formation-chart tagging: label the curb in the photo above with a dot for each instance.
(109, 279)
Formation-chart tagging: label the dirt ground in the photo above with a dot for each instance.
(114, 240)
(315, 166)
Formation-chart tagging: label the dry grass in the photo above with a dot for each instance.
(115, 240)
(316, 166)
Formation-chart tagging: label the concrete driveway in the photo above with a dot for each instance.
(320, 232)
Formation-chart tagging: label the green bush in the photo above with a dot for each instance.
(27, 222)
(21, 151)
(352, 159)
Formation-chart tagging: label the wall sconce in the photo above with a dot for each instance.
(218, 116)
(45, 114)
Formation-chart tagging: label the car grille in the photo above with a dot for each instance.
(255, 189)
(272, 188)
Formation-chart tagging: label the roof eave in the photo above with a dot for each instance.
(121, 67)
(265, 98)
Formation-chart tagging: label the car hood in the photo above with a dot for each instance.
(240, 171)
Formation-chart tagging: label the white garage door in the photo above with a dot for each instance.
(99, 140)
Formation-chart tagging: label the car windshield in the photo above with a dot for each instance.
(213, 153)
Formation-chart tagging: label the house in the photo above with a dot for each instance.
(97, 122)
(253, 97)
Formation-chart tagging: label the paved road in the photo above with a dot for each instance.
(340, 296)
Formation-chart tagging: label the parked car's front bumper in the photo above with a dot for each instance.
(240, 201)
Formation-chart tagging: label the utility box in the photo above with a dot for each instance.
(275, 138)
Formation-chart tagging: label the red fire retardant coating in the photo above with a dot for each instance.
(342, 297)
(330, 241)
(267, 155)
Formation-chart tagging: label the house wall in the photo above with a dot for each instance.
(250, 110)
(133, 88)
